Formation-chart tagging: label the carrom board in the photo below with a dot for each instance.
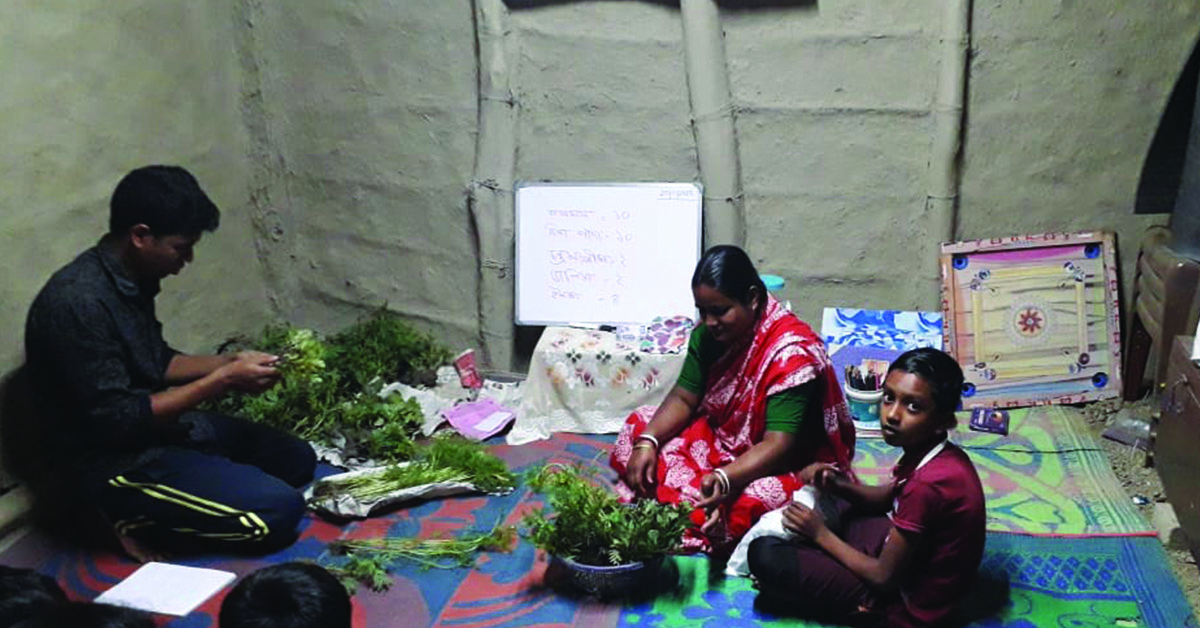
(1033, 319)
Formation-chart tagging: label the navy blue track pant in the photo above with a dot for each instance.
(234, 487)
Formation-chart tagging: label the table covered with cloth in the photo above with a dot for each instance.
(588, 381)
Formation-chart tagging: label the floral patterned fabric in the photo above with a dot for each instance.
(587, 382)
(784, 353)
(667, 335)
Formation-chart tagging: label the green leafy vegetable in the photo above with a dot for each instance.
(446, 459)
(324, 403)
(370, 558)
(588, 524)
(383, 348)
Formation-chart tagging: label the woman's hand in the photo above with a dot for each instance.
(641, 471)
(711, 493)
(713, 524)
(804, 521)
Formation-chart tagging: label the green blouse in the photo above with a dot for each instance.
(786, 410)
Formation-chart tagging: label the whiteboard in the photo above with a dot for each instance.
(612, 253)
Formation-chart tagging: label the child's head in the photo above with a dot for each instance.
(291, 595)
(89, 615)
(24, 592)
(922, 390)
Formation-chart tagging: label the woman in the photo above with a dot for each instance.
(756, 402)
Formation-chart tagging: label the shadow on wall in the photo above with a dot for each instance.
(28, 456)
(725, 4)
(22, 449)
(1162, 171)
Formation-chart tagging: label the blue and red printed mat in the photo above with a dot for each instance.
(1119, 580)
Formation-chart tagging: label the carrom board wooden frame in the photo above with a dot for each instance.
(1033, 320)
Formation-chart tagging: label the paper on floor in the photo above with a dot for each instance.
(166, 588)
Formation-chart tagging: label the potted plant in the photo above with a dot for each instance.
(604, 547)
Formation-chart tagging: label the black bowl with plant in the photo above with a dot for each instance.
(596, 537)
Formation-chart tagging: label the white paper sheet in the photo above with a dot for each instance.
(166, 588)
(1196, 344)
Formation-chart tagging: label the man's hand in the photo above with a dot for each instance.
(250, 371)
(641, 471)
(804, 521)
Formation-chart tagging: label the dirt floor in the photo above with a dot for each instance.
(1144, 486)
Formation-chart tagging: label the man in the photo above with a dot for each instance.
(119, 403)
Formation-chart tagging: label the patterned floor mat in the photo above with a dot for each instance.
(1120, 582)
(1049, 477)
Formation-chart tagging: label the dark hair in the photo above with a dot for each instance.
(290, 595)
(89, 615)
(24, 592)
(165, 198)
(939, 370)
(729, 270)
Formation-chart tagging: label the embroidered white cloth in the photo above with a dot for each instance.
(587, 381)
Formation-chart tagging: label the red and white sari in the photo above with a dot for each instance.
(784, 353)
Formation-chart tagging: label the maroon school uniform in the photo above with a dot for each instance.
(943, 503)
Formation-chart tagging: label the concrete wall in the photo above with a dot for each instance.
(834, 123)
(1064, 100)
(339, 138)
(369, 115)
(835, 129)
(92, 89)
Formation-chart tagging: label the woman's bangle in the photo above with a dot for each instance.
(649, 438)
(722, 479)
(644, 446)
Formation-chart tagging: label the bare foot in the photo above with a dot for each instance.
(138, 551)
(133, 548)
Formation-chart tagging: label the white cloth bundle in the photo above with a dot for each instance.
(771, 524)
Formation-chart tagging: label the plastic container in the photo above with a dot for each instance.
(774, 284)
(864, 406)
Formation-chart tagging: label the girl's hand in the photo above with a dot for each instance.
(820, 474)
(642, 470)
(804, 521)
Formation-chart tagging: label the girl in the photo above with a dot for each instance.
(908, 550)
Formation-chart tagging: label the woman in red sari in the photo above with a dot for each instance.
(757, 401)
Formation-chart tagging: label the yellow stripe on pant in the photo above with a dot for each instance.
(258, 528)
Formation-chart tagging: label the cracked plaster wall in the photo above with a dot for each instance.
(346, 133)
(370, 116)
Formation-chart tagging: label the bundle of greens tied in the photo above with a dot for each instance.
(329, 392)
(448, 459)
